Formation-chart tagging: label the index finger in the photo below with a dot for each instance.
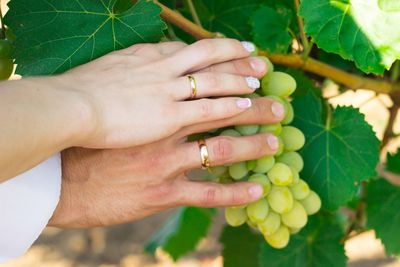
(207, 52)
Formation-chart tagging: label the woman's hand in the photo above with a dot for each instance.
(107, 187)
(137, 95)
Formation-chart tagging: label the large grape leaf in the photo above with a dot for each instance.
(358, 30)
(240, 247)
(393, 162)
(271, 29)
(182, 232)
(383, 213)
(229, 17)
(56, 35)
(317, 245)
(341, 149)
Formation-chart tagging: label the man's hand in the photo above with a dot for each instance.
(107, 187)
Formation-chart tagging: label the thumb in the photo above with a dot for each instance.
(208, 194)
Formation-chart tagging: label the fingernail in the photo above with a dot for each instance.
(250, 47)
(273, 142)
(253, 83)
(278, 110)
(257, 65)
(243, 103)
(256, 191)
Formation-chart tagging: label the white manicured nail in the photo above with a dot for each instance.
(243, 103)
(253, 83)
(250, 47)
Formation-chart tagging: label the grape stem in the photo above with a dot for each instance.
(193, 12)
(309, 64)
(300, 22)
(393, 112)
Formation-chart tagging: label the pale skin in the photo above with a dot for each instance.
(128, 111)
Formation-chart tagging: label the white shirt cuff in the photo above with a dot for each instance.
(27, 203)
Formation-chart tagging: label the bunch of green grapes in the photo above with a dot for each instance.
(287, 200)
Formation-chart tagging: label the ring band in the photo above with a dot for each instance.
(205, 161)
(193, 87)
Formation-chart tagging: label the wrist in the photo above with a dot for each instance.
(78, 109)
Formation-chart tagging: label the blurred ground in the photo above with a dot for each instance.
(121, 246)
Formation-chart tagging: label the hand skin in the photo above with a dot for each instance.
(108, 187)
(127, 98)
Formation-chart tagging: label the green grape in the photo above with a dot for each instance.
(281, 147)
(264, 164)
(255, 52)
(280, 84)
(263, 180)
(258, 211)
(247, 129)
(225, 179)
(239, 207)
(275, 129)
(294, 231)
(235, 217)
(292, 159)
(300, 190)
(271, 224)
(292, 138)
(238, 170)
(312, 203)
(296, 176)
(280, 238)
(280, 174)
(289, 114)
(252, 225)
(296, 217)
(280, 199)
(230, 132)
(218, 170)
(6, 48)
(252, 95)
(6, 68)
(251, 164)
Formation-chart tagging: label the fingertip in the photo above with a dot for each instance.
(255, 191)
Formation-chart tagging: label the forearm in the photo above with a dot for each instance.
(38, 118)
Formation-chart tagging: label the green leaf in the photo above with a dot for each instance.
(270, 29)
(383, 213)
(317, 245)
(393, 162)
(56, 35)
(240, 247)
(182, 232)
(357, 30)
(229, 17)
(341, 149)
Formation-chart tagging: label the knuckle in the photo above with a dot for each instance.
(206, 109)
(206, 46)
(210, 196)
(223, 149)
(213, 80)
(260, 109)
(260, 145)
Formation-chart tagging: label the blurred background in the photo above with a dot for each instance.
(122, 246)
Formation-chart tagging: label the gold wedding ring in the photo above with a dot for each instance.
(205, 161)
(193, 87)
